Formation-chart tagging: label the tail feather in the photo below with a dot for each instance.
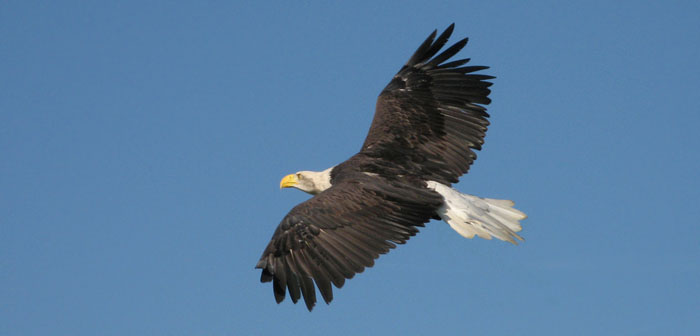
(484, 217)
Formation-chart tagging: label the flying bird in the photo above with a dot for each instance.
(428, 121)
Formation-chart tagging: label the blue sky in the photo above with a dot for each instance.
(142, 147)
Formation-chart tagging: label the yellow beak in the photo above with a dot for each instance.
(288, 181)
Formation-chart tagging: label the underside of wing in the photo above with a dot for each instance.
(429, 119)
(339, 232)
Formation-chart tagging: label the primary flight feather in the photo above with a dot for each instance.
(428, 121)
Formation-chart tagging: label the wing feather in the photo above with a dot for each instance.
(340, 232)
(432, 111)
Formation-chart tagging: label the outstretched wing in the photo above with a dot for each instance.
(429, 119)
(339, 232)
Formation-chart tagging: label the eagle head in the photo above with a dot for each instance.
(311, 182)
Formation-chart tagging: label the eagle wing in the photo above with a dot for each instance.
(339, 232)
(428, 119)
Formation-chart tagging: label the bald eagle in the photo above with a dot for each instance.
(428, 121)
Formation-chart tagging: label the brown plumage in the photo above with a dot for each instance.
(427, 123)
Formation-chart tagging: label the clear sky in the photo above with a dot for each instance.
(142, 145)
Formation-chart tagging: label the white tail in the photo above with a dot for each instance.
(485, 217)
